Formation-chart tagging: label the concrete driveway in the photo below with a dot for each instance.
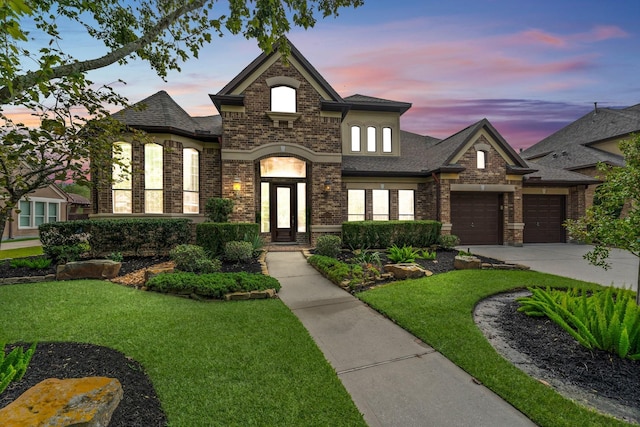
(566, 259)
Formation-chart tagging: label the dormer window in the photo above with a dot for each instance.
(355, 138)
(386, 140)
(481, 159)
(371, 139)
(283, 99)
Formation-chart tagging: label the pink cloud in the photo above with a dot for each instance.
(606, 32)
(539, 36)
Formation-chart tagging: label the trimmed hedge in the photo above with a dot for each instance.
(133, 236)
(213, 236)
(213, 285)
(384, 234)
(336, 271)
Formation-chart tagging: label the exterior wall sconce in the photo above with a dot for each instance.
(237, 186)
(327, 186)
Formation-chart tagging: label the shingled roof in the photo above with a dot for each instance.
(601, 124)
(370, 103)
(160, 113)
(549, 175)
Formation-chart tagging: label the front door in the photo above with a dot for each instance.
(283, 212)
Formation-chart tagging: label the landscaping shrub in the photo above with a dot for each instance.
(213, 236)
(213, 285)
(328, 245)
(193, 258)
(608, 320)
(383, 234)
(218, 209)
(14, 365)
(403, 255)
(337, 271)
(448, 241)
(238, 251)
(32, 263)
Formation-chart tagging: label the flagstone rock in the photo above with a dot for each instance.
(407, 271)
(90, 269)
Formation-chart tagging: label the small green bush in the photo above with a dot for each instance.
(238, 251)
(448, 241)
(213, 285)
(403, 255)
(428, 255)
(14, 365)
(213, 236)
(116, 256)
(32, 263)
(328, 245)
(608, 320)
(66, 253)
(193, 258)
(218, 209)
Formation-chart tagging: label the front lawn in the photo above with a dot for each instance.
(212, 363)
(439, 310)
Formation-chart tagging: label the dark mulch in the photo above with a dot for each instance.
(559, 355)
(139, 407)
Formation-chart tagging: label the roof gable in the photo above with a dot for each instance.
(232, 92)
(447, 152)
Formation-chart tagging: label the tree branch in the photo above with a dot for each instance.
(30, 79)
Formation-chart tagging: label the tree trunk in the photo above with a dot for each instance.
(4, 216)
(638, 285)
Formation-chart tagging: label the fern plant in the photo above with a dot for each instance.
(14, 365)
(608, 320)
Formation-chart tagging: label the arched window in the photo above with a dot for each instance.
(283, 99)
(371, 139)
(386, 140)
(121, 175)
(153, 178)
(481, 159)
(355, 138)
(190, 181)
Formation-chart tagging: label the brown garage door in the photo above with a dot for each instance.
(543, 217)
(476, 218)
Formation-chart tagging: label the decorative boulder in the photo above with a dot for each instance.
(86, 402)
(91, 269)
(407, 271)
(154, 271)
(467, 262)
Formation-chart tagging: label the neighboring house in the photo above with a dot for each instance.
(78, 207)
(300, 160)
(592, 139)
(41, 206)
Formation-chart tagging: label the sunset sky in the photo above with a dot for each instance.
(530, 67)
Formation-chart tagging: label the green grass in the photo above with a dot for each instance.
(212, 363)
(439, 310)
(20, 252)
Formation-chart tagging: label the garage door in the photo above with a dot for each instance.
(476, 218)
(543, 217)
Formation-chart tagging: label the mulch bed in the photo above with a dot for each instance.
(552, 349)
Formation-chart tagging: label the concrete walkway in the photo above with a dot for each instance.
(393, 378)
(566, 260)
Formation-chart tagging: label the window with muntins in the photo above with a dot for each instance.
(283, 99)
(355, 205)
(121, 174)
(153, 177)
(380, 199)
(34, 213)
(190, 181)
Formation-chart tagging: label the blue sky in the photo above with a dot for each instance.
(530, 67)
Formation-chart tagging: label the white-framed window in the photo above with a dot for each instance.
(371, 139)
(406, 205)
(283, 99)
(153, 178)
(355, 138)
(386, 140)
(355, 205)
(121, 175)
(380, 199)
(36, 211)
(481, 159)
(190, 181)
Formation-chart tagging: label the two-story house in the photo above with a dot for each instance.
(300, 160)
